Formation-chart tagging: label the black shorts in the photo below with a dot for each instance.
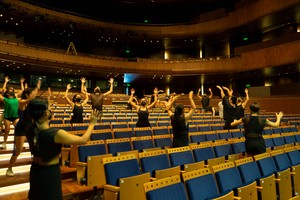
(11, 119)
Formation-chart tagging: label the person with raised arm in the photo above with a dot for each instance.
(11, 104)
(45, 144)
(76, 105)
(254, 126)
(97, 97)
(19, 134)
(179, 121)
(143, 108)
(205, 102)
(229, 107)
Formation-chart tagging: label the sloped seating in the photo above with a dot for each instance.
(267, 167)
(228, 178)
(201, 184)
(249, 171)
(180, 156)
(123, 178)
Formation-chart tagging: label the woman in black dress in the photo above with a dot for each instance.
(77, 106)
(179, 121)
(254, 126)
(143, 109)
(45, 145)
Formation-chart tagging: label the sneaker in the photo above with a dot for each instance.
(10, 173)
(3, 146)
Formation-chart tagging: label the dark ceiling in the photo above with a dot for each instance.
(139, 11)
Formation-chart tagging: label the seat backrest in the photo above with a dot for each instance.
(166, 189)
(193, 128)
(248, 169)
(118, 145)
(180, 156)
(278, 140)
(200, 184)
(224, 134)
(211, 136)
(154, 160)
(222, 149)
(196, 137)
(203, 127)
(162, 140)
(236, 133)
(289, 138)
(294, 155)
(203, 152)
(161, 130)
(102, 134)
(123, 133)
(227, 176)
(142, 131)
(265, 164)
(92, 148)
(140, 143)
(120, 167)
(281, 159)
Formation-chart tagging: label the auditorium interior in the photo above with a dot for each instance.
(177, 46)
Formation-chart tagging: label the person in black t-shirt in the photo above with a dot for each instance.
(205, 102)
(254, 126)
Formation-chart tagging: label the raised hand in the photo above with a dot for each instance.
(132, 91)
(191, 94)
(69, 86)
(111, 81)
(83, 80)
(155, 91)
(95, 115)
(6, 79)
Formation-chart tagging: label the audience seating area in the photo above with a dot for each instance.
(124, 162)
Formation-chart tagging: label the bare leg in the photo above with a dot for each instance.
(19, 143)
(7, 129)
(213, 111)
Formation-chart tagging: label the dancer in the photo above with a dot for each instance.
(254, 126)
(205, 100)
(20, 137)
(77, 106)
(11, 105)
(45, 144)
(97, 97)
(143, 109)
(229, 107)
(179, 121)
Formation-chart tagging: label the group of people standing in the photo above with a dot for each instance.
(31, 117)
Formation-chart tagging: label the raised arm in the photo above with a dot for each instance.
(211, 94)
(66, 96)
(198, 94)
(221, 90)
(130, 99)
(83, 80)
(155, 93)
(277, 122)
(86, 98)
(32, 94)
(6, 80)
(244, 104)
(170, 104)
(230, 92)
(111, 81)
(63, 137)
(19, 94)
(193, 107)
(49, 94)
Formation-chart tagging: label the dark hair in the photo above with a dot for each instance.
(254, 107)
(233, 99)
(37, 108)
(26, 92)
(74, 98)
(178, 110)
